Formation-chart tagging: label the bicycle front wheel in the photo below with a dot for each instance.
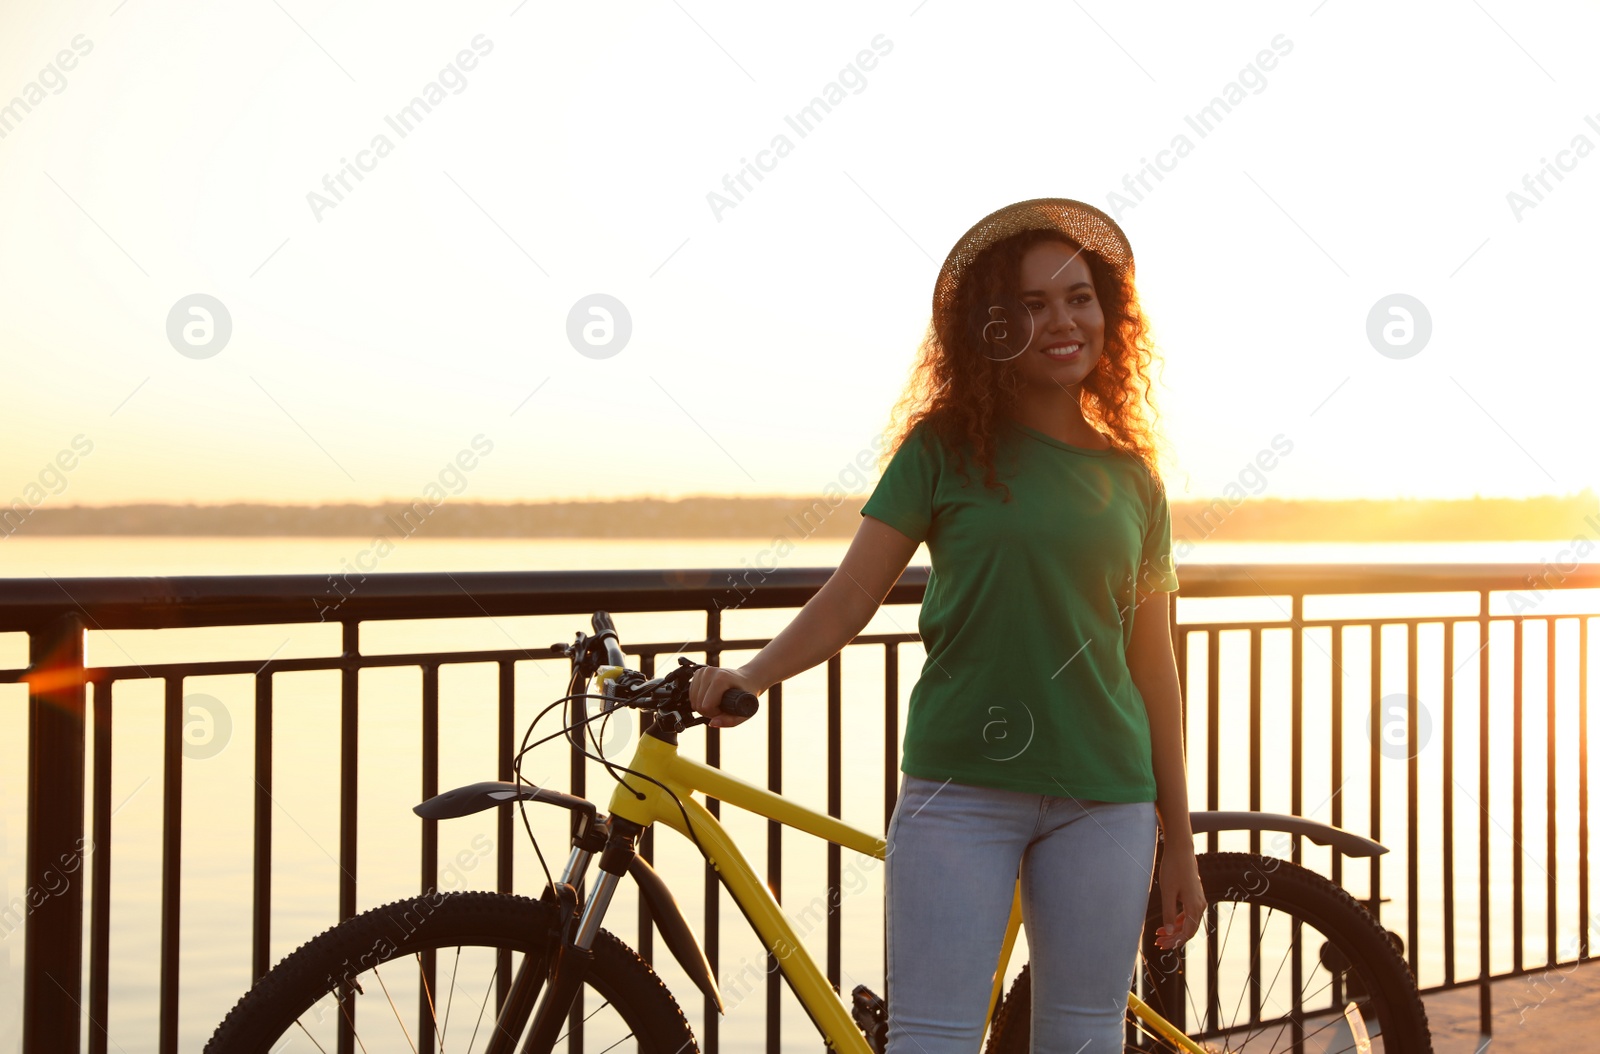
(1286, 961)
(429, 974)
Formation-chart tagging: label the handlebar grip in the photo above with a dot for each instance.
(739, 703)
(601, 621)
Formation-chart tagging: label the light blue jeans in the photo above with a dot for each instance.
(954, 851)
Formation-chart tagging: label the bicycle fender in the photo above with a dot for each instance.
(476, 797)
(1347, 842)
(674, 930)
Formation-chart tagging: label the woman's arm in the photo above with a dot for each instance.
(828, 621)
(1155, 674)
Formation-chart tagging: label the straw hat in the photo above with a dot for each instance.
(1084, 224)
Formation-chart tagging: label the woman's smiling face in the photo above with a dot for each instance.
(1065, 324)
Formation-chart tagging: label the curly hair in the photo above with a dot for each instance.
(963, 393)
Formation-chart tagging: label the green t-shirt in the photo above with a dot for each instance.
(1029, 612)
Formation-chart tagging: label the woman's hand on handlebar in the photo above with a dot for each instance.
(706, 687)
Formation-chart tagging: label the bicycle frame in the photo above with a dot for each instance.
(682, 776)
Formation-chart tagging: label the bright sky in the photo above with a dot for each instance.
(1366, 149)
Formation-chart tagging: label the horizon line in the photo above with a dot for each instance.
(380, 502)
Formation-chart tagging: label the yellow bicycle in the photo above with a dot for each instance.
(1286, 961)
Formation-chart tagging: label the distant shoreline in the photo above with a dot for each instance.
(794, 519)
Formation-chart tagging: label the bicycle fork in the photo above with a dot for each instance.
(564, 962)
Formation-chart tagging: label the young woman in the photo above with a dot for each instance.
(1043, 733)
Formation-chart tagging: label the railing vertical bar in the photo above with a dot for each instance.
(1255, 732)
(349, 789)
(1167, 984)
(1255, 806)
(713, 900)
(1296, 802)
(891, 751)
(100, 853)
(1213, 706)
(1583, 787)
(504, 837)
(835, 809)
(646, 942)
(1336, 777)
(349, 757)
(53, 948)
(1485, 995)
(1375, 761)
(1447, 800)
(891, 730)
(428, 880)
(1413, 811)
(171, 861)
(430, 774)
(261, 885)
(1163, 985)
(1550, 790)
(506, 742)
(1296, 734)
(1213, 709)
(647, 839)
(774, 856)
(577, 1013)
(579, 781)
(1516, 795)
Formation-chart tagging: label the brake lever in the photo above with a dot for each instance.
(687, 718)
(630, 688)
(673, 710)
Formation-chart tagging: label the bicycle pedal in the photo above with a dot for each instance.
(871, 1015)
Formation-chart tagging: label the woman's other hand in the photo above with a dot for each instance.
(1183, 900)
(706, 687)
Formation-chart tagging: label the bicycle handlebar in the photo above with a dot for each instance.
(739, 703)
(736, 702)
(606, 630)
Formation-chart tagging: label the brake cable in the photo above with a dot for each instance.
(638, 691)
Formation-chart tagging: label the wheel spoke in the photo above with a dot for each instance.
(309, 1036)
(449, 999)
(1212, 998)
(351, 1020)
(590, 1014)
(1334, 1019)
(433, 1011)
(394, 1010)
(1288, 952)
(1255, 951)
(618, 1043)
(486, 990)
(1195, 1014)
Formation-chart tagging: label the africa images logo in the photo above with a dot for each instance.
(1008, 740)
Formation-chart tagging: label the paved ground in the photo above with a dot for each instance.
(1543, 1013)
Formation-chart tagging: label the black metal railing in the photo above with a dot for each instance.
(71, 705)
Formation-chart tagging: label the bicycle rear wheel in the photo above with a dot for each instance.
(1287, 961)
(428, 974)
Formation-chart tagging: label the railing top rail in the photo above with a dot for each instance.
(223, 600)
